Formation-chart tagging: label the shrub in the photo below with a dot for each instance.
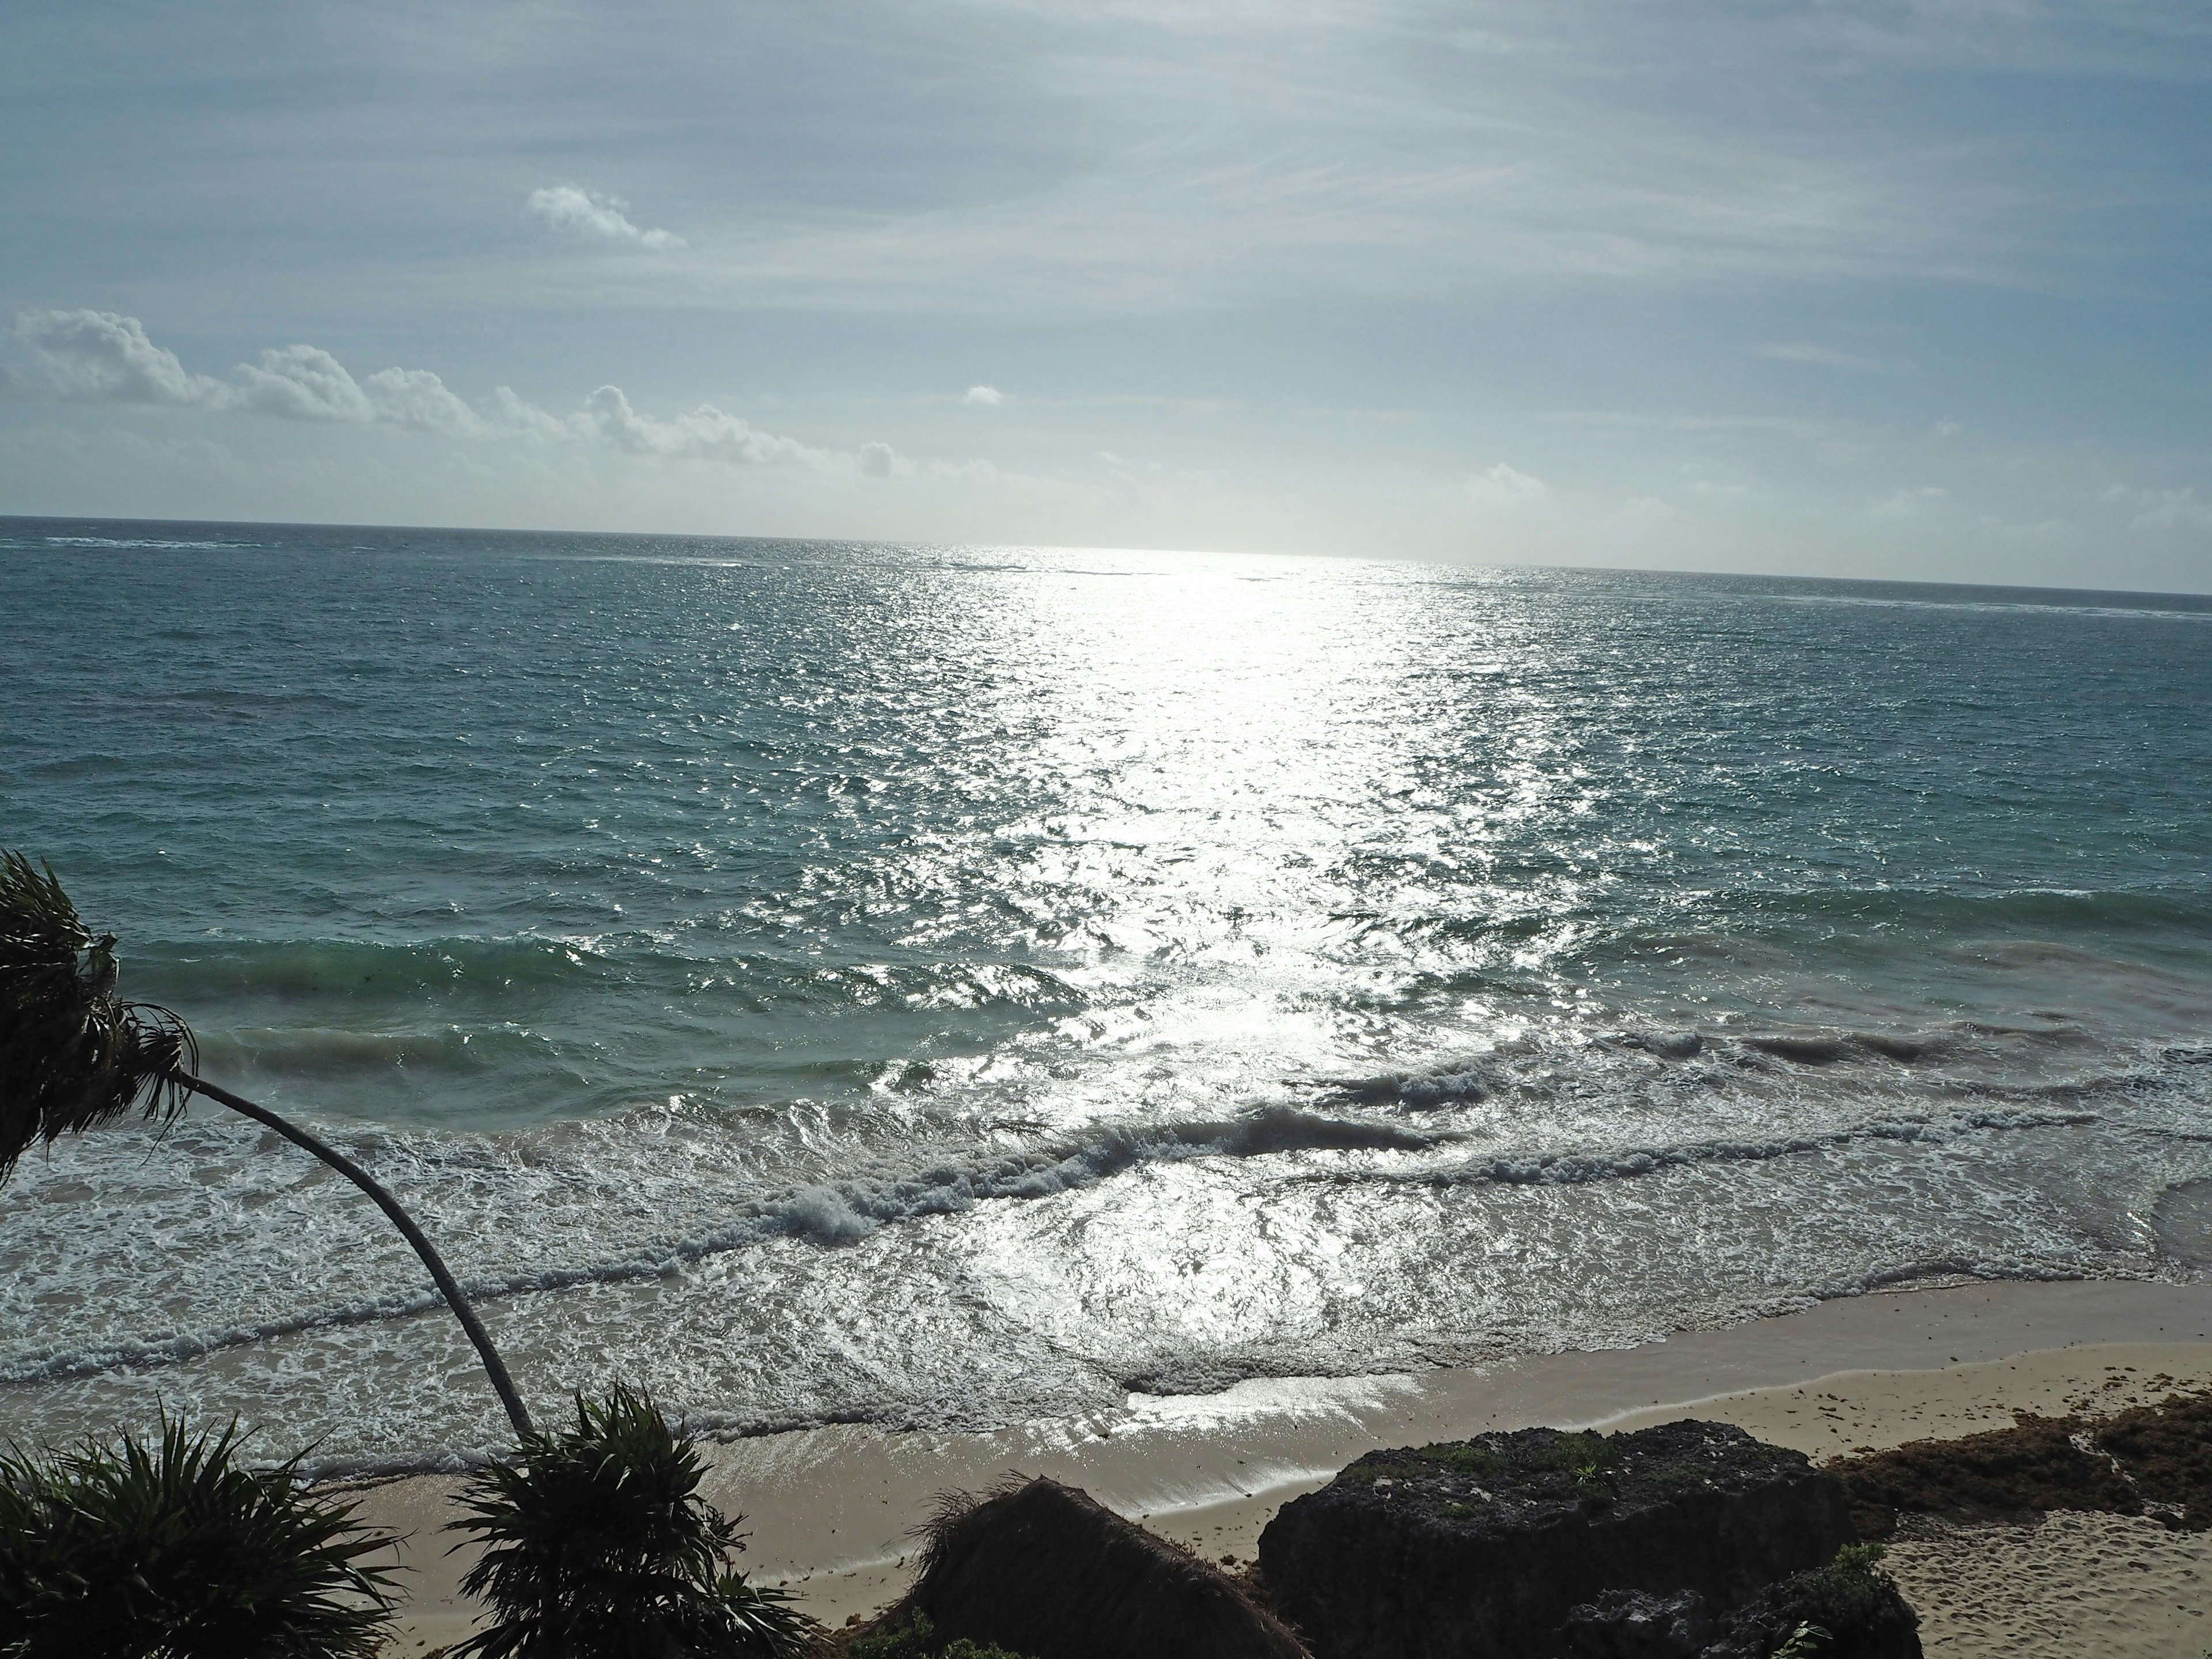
(179, 1552)
(598, 1546)
(912, 1637)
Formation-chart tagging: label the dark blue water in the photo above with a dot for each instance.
(943, 985)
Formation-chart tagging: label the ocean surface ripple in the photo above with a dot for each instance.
(943, 987)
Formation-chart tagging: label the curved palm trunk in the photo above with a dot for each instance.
(494, 1366)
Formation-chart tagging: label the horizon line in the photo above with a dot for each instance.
(94, 519)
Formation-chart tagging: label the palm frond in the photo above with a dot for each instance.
(596, 1541)
(73, 1054)
(177, 1549)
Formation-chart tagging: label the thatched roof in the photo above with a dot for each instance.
(1042, 1569)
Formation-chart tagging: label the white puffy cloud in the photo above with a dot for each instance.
(303, 383)
(706, 433)
(587, 213)
(1501, 484)
(418, 400)
(97, 356)
(988, 396)
(516, 415)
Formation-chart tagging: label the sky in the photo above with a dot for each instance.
(1912, 289)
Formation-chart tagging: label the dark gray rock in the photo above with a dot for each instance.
(1045, 1571)
(1482, 1547)
(1634, 1625)
(1856, 1606)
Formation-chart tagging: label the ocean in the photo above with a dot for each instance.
(946, 986)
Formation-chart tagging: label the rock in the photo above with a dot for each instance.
(1482, 1546)
(1856, 1604)
(1044, 1570)
(1632, 1624)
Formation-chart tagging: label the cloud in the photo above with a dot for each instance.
(1501, 484)
(988, 396)
(98, 356)
(1821, 357)
(705, 433)
(519, 416)
(2163, 509)
(589, 215)
(1909, 503)
(1643, 513)
(419, 400)
(303, 383)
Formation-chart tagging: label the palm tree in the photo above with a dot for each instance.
(596, 1545)
(73, 1056)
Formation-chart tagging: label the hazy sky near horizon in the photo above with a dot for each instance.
(1913, 288)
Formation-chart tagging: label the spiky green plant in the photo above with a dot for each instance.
(178, 1551)
(598, 1546)
(75, 1055)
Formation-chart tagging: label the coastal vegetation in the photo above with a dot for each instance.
(596, 1542)
(176, 1550)
(2151, 1459)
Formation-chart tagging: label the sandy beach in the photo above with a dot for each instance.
(830, 1511)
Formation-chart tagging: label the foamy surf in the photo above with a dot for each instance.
(943, 989)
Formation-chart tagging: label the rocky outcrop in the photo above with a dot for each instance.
(1485, 1546)
(1636, 1624)
(1848, 1610)
(1044, 1570)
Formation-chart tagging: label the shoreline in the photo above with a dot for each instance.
(830, 1511)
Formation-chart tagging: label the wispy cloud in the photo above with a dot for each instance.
(1902, 504)
(2163, 509)
(586, 214)
(1501, 485)
(987, 396)
(1821, 357)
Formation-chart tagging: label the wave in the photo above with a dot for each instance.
(844, 1213)
(347, 967)
(320, 1051)
(2026, 928)
(161, 543)
(756, 981)
(1579, 1168)
(1964, 916)
(1468, 1081)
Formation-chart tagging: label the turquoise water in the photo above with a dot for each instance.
(941, 985)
